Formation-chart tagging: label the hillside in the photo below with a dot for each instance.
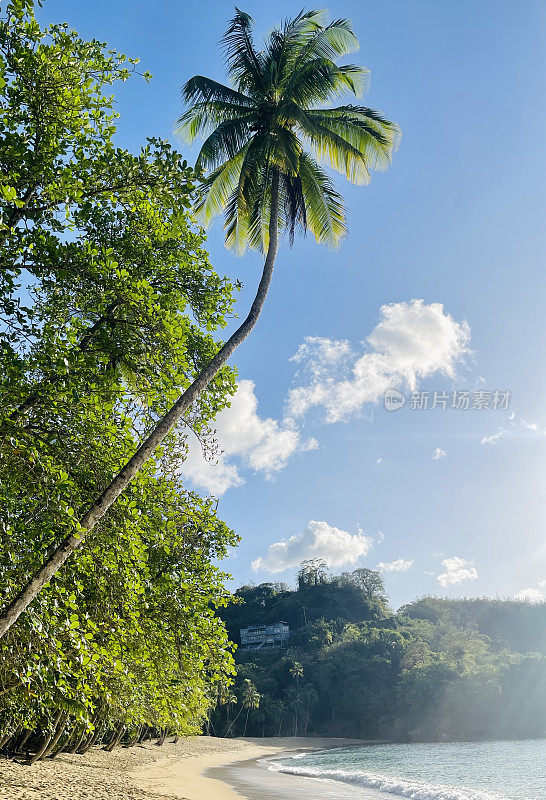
(436, 669)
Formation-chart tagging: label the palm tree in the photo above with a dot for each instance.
(231, 700)
(296, 670)
(267, 137)
(251, 700)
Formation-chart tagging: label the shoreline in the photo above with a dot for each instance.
(203, 767)
(194, 768)
(230, 772)
(251, 780)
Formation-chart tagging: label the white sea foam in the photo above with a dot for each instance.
(414, 790)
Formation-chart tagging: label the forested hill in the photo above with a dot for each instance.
(521, 626)
(436, 669)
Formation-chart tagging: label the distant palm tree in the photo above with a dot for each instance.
(267, 136)
(231, 700)
(296, 670)
(251, 700)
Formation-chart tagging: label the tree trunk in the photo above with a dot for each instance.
(142, 737)
(234, 721)
(79, 741)
(22, 743)
(99, 730)
(42, 750)
(61, 726)
(109, 496)
(115, 740)
(162, 736)
(135, 738)
(246, 720)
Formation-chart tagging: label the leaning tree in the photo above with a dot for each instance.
(267, 138)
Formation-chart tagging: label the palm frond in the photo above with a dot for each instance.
(292, 203)
(333, 149)
(244, 63)
(203, 117)
(269, 128)
(320, 80)
(201, 89)
(365, 129)
(243, 202)
(225, 142)
(218, 187)
(325, 211)
(315, 40)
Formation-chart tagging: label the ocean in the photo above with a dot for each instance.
(500, 770)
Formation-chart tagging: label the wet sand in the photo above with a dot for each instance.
(233, 770)
(253, 781)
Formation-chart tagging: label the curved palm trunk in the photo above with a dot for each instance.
(109, 496)
(226, 735)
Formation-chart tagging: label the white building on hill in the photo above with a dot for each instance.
(264, 637)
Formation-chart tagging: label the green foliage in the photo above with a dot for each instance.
(108, 303)
(438, 669)
(270, 122)
(519, 626)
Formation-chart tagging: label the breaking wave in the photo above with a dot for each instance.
(414, 790)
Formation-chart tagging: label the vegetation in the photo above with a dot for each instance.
(436, 670)
(108, 306)
(59, 156)
(108, 303)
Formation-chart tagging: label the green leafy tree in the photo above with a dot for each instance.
(108, 304)
(266, 135)
(312, 572)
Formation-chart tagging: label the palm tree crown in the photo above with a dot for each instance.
(269, 134)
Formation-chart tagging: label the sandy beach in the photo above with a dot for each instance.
(196, 768)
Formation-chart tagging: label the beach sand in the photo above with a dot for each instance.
(196, 768)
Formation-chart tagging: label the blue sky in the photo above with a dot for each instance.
(456, 223)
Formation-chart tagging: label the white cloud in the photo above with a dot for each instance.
(457, 570)
(264, 445)
(532, 426)
(216, 477)
(533, 595)
(411, 341)
(318, 540)
(516, 420)
(493, 439)
(399, 565)
(437, 454)
(320, 354)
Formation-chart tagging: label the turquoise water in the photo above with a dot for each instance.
(511, 770)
